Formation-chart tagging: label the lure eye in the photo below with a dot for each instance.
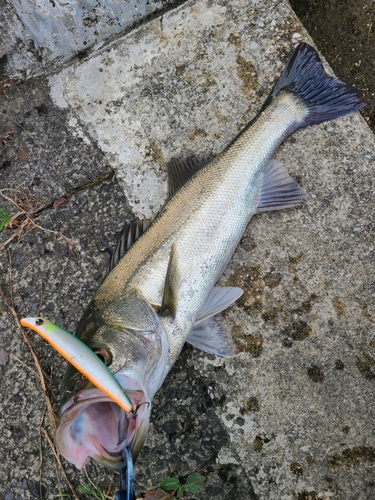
(103, 355)
(39, 321)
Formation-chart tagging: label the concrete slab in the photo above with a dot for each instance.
(290, 417)
(49, 153)
(42, 35)
(185, 83)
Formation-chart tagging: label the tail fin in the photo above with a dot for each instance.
(324, 96)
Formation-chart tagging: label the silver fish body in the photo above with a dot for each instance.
(162, 291)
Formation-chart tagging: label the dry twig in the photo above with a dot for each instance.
(108, 492)
(23, 220)
(41, 453)
(24, 364)
(51, 413)
(21, 127)
(26, 339)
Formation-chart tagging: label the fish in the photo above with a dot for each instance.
(161, 290)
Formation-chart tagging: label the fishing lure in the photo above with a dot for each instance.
(82, 358)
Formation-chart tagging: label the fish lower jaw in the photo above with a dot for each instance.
(93, 426)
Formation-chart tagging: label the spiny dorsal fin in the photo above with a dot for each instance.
(180, 171)
(130, 234)
(279, 190)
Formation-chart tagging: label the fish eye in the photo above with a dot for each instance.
(39, 321)
(103, 355)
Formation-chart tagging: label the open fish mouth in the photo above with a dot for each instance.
(91, 425)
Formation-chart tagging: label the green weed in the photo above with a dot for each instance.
(170, 487)
(4, 218)
(93, 491)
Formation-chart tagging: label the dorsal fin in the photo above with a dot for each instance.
(180, 170)
(130, 234)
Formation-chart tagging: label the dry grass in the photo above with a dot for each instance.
(22, 221)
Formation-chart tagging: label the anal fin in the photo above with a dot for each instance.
(279, 190)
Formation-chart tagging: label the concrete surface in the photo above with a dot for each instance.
(39, 35)
(291, 417)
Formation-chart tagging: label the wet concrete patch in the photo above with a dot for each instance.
(46, 273)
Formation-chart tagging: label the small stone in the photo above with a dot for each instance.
(4, 356)
(287, 343)
(296, 38)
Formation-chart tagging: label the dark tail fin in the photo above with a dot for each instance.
(325, 97)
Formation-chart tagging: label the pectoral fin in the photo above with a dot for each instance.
(279, 190)
(171, 287)
(219, 299)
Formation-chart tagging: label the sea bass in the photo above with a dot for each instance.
(160, 291)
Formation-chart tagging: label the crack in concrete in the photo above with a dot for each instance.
(55, 67)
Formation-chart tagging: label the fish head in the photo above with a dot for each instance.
(129, 338)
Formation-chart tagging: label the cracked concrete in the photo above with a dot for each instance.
(43, 35)
(290, 417)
